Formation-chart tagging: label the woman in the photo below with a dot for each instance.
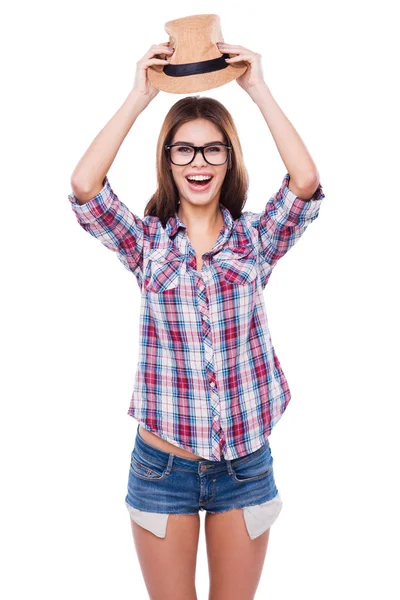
(209, 386)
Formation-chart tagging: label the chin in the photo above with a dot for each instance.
(198, 198)
(199, 201)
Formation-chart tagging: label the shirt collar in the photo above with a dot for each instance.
(174, 223)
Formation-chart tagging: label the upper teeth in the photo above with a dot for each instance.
(199, 177)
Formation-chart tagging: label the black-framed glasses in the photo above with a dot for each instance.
(183, 154)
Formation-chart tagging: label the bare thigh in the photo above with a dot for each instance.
(235, 561)
(169, 564)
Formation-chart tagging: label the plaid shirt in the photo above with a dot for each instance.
(208, 379)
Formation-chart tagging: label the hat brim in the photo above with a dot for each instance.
(194, 83)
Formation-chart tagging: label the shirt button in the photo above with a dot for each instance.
(215, 418)
(212, 384)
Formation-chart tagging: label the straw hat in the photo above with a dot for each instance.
(197, 63)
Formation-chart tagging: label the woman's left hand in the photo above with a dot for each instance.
(253, 77)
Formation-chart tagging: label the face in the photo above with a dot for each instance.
(199, 133)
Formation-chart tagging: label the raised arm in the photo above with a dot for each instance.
(88, 175)
(297, 202)
(97, 208)
(285, 218)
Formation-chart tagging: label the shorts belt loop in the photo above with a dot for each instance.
(170, 463)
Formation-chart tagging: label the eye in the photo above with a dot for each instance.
(214, 149)
(182, 149)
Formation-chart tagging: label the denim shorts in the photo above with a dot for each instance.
(161, 484)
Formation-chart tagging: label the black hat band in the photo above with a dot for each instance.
(206, 66)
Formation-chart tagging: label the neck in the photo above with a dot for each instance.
(201, 218)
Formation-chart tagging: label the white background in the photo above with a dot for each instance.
(70, 309)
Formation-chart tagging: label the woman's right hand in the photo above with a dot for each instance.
(142, 84)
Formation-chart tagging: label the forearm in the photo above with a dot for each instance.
(98, 158)
(298, 162)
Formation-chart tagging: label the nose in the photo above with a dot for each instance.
(198, 158)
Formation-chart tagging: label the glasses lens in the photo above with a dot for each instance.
(216, 155)
(182, 155)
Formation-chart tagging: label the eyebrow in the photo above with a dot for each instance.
(191, 143)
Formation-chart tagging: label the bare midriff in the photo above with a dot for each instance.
(154, 440)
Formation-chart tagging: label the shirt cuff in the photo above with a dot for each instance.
(292, 204)
(96, 206)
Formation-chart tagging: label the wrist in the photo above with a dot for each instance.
(138, 100)
(258, 91)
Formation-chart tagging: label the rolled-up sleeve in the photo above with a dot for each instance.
(109, 220)
(284, 220)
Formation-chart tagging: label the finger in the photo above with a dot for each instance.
(156, 61)
(161, 47)
(158, 51)
(238, 48)
(228, 52)
(238, 58)
(233, 51)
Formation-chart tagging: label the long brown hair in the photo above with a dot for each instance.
(164, 202)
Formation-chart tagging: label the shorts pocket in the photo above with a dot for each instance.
(145, 467)
(165, 268)
(238, 264)
(253, 468)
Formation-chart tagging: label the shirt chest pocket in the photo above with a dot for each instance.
(165, 268)
(237, 265)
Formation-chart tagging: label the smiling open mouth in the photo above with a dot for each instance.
(199, 185)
